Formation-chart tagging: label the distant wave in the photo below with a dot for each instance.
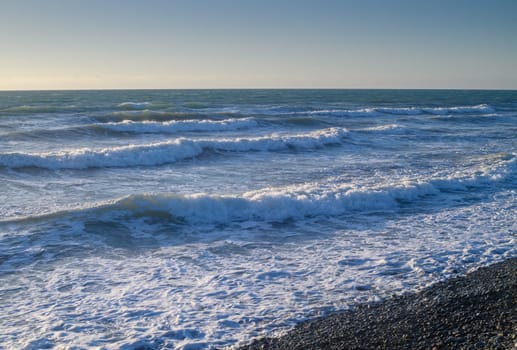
(159, 115)
(388, 128)
(176, 126)
(376, 111)
(133, 105)
(342, 112)
(144, 127)
(145, 114)
(179, 126)
(167, 152)
(482, 108)
(27, 109)
(156, 111)
(299, 201)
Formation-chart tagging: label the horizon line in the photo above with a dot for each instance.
(256, 88)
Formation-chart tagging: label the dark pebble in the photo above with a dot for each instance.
(476, 311)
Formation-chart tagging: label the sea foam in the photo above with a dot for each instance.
(133, 105)
(168, 151)
(175, 126)
(411, 110)
(300, 201)
(324, 198)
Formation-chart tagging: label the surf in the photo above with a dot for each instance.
(169, 151)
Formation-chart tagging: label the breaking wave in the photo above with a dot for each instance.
(145, 114)
(133, 105)
(176, 126)
(389, 129)
(136, 106)
(297, 201)
(132, 127)
(27, 109)
(155, 111)
(481, 108)
(160, 115)
(167, 152)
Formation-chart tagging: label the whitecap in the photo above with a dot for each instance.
(167, 152)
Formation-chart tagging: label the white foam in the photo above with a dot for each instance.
(327, 198)
(133, 105)
(143, 114)
(389, 128)
(34, 109)
(150, 154)
(481, 108)
(176, 126)
(167, 152)
(343, 112)
(219, 249)
(400, 111)
(308, 200)
(215, 294)
(410, 110)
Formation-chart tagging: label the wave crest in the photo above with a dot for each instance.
(307, 200)
(176, 126)
(133, 105)
(376, 111)
(145, 114)
(296, 201)
(168, 151)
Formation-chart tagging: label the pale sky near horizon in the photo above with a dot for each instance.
(89, 44)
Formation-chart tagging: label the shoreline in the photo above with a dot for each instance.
(474, 311)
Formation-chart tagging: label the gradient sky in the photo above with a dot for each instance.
(81, 44)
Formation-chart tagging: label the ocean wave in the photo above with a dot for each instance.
(155, 111)
(133, 105)
(136, 106)
(145, 114)
(167, 152)
(376, 111)
(298, 121)
(179, 126)
(158, 115)
(307, 200)
(400, 111)
(362, 112)
(297, 201)
(122, 156)
(176, 126)
(388, 128)
(481, 108)
(27, 109)
(132, 127)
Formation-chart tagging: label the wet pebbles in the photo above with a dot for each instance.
(476, 311)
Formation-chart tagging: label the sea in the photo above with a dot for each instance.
(202, 219)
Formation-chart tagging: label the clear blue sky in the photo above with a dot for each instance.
(69, 44)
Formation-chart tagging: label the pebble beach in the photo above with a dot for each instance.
(476, 311)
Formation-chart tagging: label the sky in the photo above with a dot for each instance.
(160, 44)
